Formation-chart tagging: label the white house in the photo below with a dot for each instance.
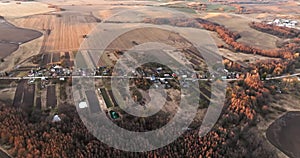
(56, 118)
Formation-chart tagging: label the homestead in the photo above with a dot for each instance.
(284, 23)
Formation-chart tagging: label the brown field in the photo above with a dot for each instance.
(65, 32)
(11, 36)
(7, 49)
(30, 49)
(249, 36)
(283, 134)
(51, 96)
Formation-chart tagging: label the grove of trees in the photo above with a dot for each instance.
(70, 138)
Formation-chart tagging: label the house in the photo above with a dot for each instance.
(294, 22)
(284, 23)
(166, 75)
(56, 118)
(276, 21)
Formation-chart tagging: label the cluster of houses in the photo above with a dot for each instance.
(197, 6)
(54, 71)
(283, 23)
(161, 76)
(231, 75)
(102, 70)
(156, 75)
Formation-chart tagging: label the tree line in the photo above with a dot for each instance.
(229, 37)
(279, 31)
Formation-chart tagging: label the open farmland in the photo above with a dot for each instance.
(100, 2)
(11, 37)
(15, 42)
(65, 31)
(249, 36)
(7, 48)
(25, 51)
(125, 41)
(13, 10)
(286, 7)
(140, 36)
(129, 15)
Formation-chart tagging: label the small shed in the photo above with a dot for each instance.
(83, 105)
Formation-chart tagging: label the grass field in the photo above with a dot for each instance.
(186, 10)
(219, 7)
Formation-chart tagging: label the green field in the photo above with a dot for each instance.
(186, 10)
(217, 7)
